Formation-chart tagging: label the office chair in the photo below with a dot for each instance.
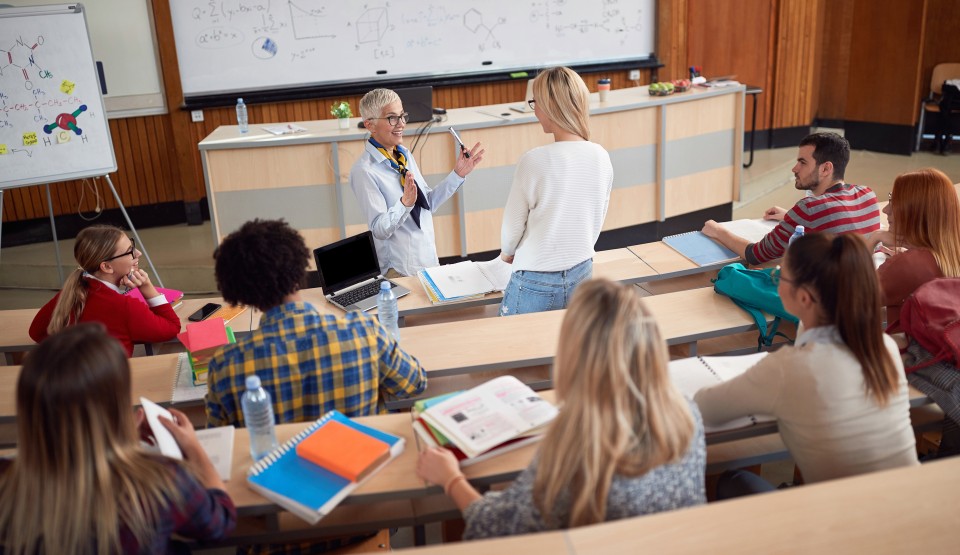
(941, 72)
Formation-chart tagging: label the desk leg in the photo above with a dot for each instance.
(753, 130)
(693, 348)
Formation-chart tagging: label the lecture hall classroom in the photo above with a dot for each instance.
(187, 178)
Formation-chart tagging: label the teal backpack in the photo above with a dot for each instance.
(754, 291)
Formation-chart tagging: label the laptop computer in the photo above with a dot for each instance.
(418, 102)
(349, 273)
(523, 107)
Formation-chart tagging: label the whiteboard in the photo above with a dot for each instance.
(52, 123)
(249, 45)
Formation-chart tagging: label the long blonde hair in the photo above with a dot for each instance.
(94, 245)
(79, 471)
(926, 214)
(564, 98)
(621, 415)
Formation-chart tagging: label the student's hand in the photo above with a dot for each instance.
(409, 197)
(508, 258)
(464, 164)
(882, 236)
(775, 213)
(139, 279)
(711, 229)
(437, 466)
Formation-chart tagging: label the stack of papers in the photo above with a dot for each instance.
(285, 129)
(465, 280)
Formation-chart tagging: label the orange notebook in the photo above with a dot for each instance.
(343, 450)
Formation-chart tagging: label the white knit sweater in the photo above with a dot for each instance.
(557, 205)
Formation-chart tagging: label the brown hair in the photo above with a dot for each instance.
(564, 98)
(94, 245)
(926, 214)
(839, 270)
(621, 413)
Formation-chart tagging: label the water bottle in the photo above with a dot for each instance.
(387, 309)
(258, 414)
(242, 116)
(798, 232)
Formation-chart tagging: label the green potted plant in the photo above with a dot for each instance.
(341, 110)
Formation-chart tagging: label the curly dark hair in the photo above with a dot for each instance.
(261, 263)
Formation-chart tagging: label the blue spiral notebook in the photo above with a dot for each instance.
(306, 489)
(700, 249)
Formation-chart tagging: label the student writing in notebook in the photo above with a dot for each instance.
(924, 237)
(394, 197)
(108, 266)
(839, 394)
(558, 200)
(625, 442)
(832, 204)
(81, 482)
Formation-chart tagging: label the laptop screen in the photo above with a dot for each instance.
(346, 262)
(418, 102)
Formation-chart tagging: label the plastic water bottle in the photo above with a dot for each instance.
(258, 414)
(798, 232)
(387, 309)
(242, 116)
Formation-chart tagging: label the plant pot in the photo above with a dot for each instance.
(344, 123)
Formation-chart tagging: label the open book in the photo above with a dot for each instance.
(751, 230)
(704, 251)
(690, 375)
(308, 490)
(486, 418)
(465, 280)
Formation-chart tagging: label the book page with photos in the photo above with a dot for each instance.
(490, 414)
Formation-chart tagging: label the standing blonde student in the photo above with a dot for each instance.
(839, 394)
(81, 482)
(558, 201)
(625, 442)
(109, 265)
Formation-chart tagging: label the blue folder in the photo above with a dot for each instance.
(700, 249)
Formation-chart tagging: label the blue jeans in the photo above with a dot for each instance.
(530, 291)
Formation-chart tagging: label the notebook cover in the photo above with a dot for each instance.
(172, 295)
(344, 450)
(700, 249)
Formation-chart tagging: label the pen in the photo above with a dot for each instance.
(456, 137)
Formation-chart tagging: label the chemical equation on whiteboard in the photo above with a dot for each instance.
(609, 20)
(473, 20)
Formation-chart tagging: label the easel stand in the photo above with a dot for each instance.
(56, 243)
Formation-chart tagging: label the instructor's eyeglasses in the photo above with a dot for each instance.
(131, 252)
(395, 120)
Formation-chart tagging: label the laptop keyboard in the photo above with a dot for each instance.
(358, 294)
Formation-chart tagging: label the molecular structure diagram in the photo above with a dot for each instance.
(66, 121)
(473, 21)
(19, 58)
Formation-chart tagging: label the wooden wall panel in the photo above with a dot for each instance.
(885, 52)
(835, 62)
(941, 43)
(797, 62)
(732, 37)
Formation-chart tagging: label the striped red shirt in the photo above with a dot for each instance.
(842, 208)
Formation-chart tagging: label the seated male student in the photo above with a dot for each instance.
(832, 206)
(310, 363)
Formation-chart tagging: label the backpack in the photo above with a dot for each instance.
(931, 317)
(754, 291)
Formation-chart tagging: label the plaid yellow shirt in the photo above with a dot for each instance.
(310, 364)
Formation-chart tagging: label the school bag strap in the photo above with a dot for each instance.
(755, 292)
(931, 317)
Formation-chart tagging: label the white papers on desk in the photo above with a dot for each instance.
(690, 375)
(751, 230)
(218, 444)
(284, 129)
(469, 278)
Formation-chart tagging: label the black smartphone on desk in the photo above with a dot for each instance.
(204, 312)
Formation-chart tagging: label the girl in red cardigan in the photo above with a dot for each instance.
(95, 292)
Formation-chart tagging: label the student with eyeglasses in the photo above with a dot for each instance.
(394, 197)
(558, 200)
(839, 394)
(108, 265)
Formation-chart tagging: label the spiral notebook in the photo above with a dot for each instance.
(183, 388)
(306, 489)
(690, 375)
(700, 249)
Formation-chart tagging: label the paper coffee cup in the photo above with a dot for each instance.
(603, 87)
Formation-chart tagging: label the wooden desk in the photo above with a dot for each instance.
(15, 332)
(862, 514)
(671, 156)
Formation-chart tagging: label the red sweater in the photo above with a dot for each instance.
(127, 319)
